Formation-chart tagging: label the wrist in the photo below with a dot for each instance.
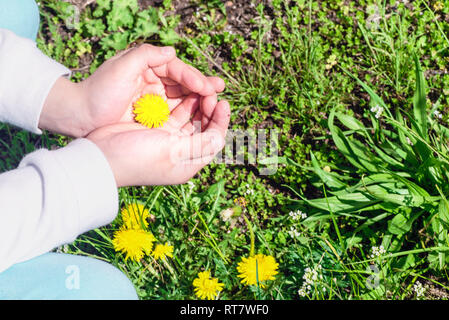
(64, 110)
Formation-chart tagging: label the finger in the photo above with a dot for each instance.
(188, 129)
(174, 102)
(208, 142)
(217, 83)
(194, 125)
(196, 146)
(208, 105)
(168, 82)
(186, 76)
(149, 56)
(176, 91)
(184, 111)
(220, 119)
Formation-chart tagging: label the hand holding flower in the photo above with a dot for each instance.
(107, 96)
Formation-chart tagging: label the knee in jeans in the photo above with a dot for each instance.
(98, 280)
(20, 16)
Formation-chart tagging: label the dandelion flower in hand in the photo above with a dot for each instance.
(151, 110)
(135, 216)
(207, 287)
(257, 269)
(135, 243)
(161, 251)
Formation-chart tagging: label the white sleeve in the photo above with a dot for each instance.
(53, 197)
(26, 78)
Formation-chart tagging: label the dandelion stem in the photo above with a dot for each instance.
(257, 279)
(251, 234)
(213, 243)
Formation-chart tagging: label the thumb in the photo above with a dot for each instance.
(149, 56)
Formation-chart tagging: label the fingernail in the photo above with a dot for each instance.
(167, 51)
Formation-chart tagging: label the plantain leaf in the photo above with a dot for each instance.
(327, 177)
(402, 224)
(441, 227)
(419, 101)
(399, 225)
(355, 153)
(349, 202)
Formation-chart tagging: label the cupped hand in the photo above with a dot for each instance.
(171, 154)
(108, 95)
(113, 88)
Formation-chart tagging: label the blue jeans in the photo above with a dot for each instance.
(20, 16)
(55, 276)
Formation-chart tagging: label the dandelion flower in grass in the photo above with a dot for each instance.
(151, 110)
(257, 269)
(135, 216)
(207, 287)
(161, 251)
(135, 243)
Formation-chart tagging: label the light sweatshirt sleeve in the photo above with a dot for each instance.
(26, 78)
(53, 196)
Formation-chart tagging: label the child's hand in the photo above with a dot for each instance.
(171, 154)
(107, 96)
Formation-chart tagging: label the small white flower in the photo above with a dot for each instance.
(377, 251)
(438, 114)
(63, 249)
(378, 110)
(297, 215)
(311, 278)
(294, 233)
(249, 190)
(419, 289)
(302, 292)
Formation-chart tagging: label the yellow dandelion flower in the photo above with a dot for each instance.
(207, 287)
(135, 216)
(151, 110)
(258, 268)
(161, 251)
(134, 242)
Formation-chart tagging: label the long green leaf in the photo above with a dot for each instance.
(419, 101)
(356, 153)
(346, 203)
(327, 177)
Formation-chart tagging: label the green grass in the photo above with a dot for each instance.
(287, 66)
